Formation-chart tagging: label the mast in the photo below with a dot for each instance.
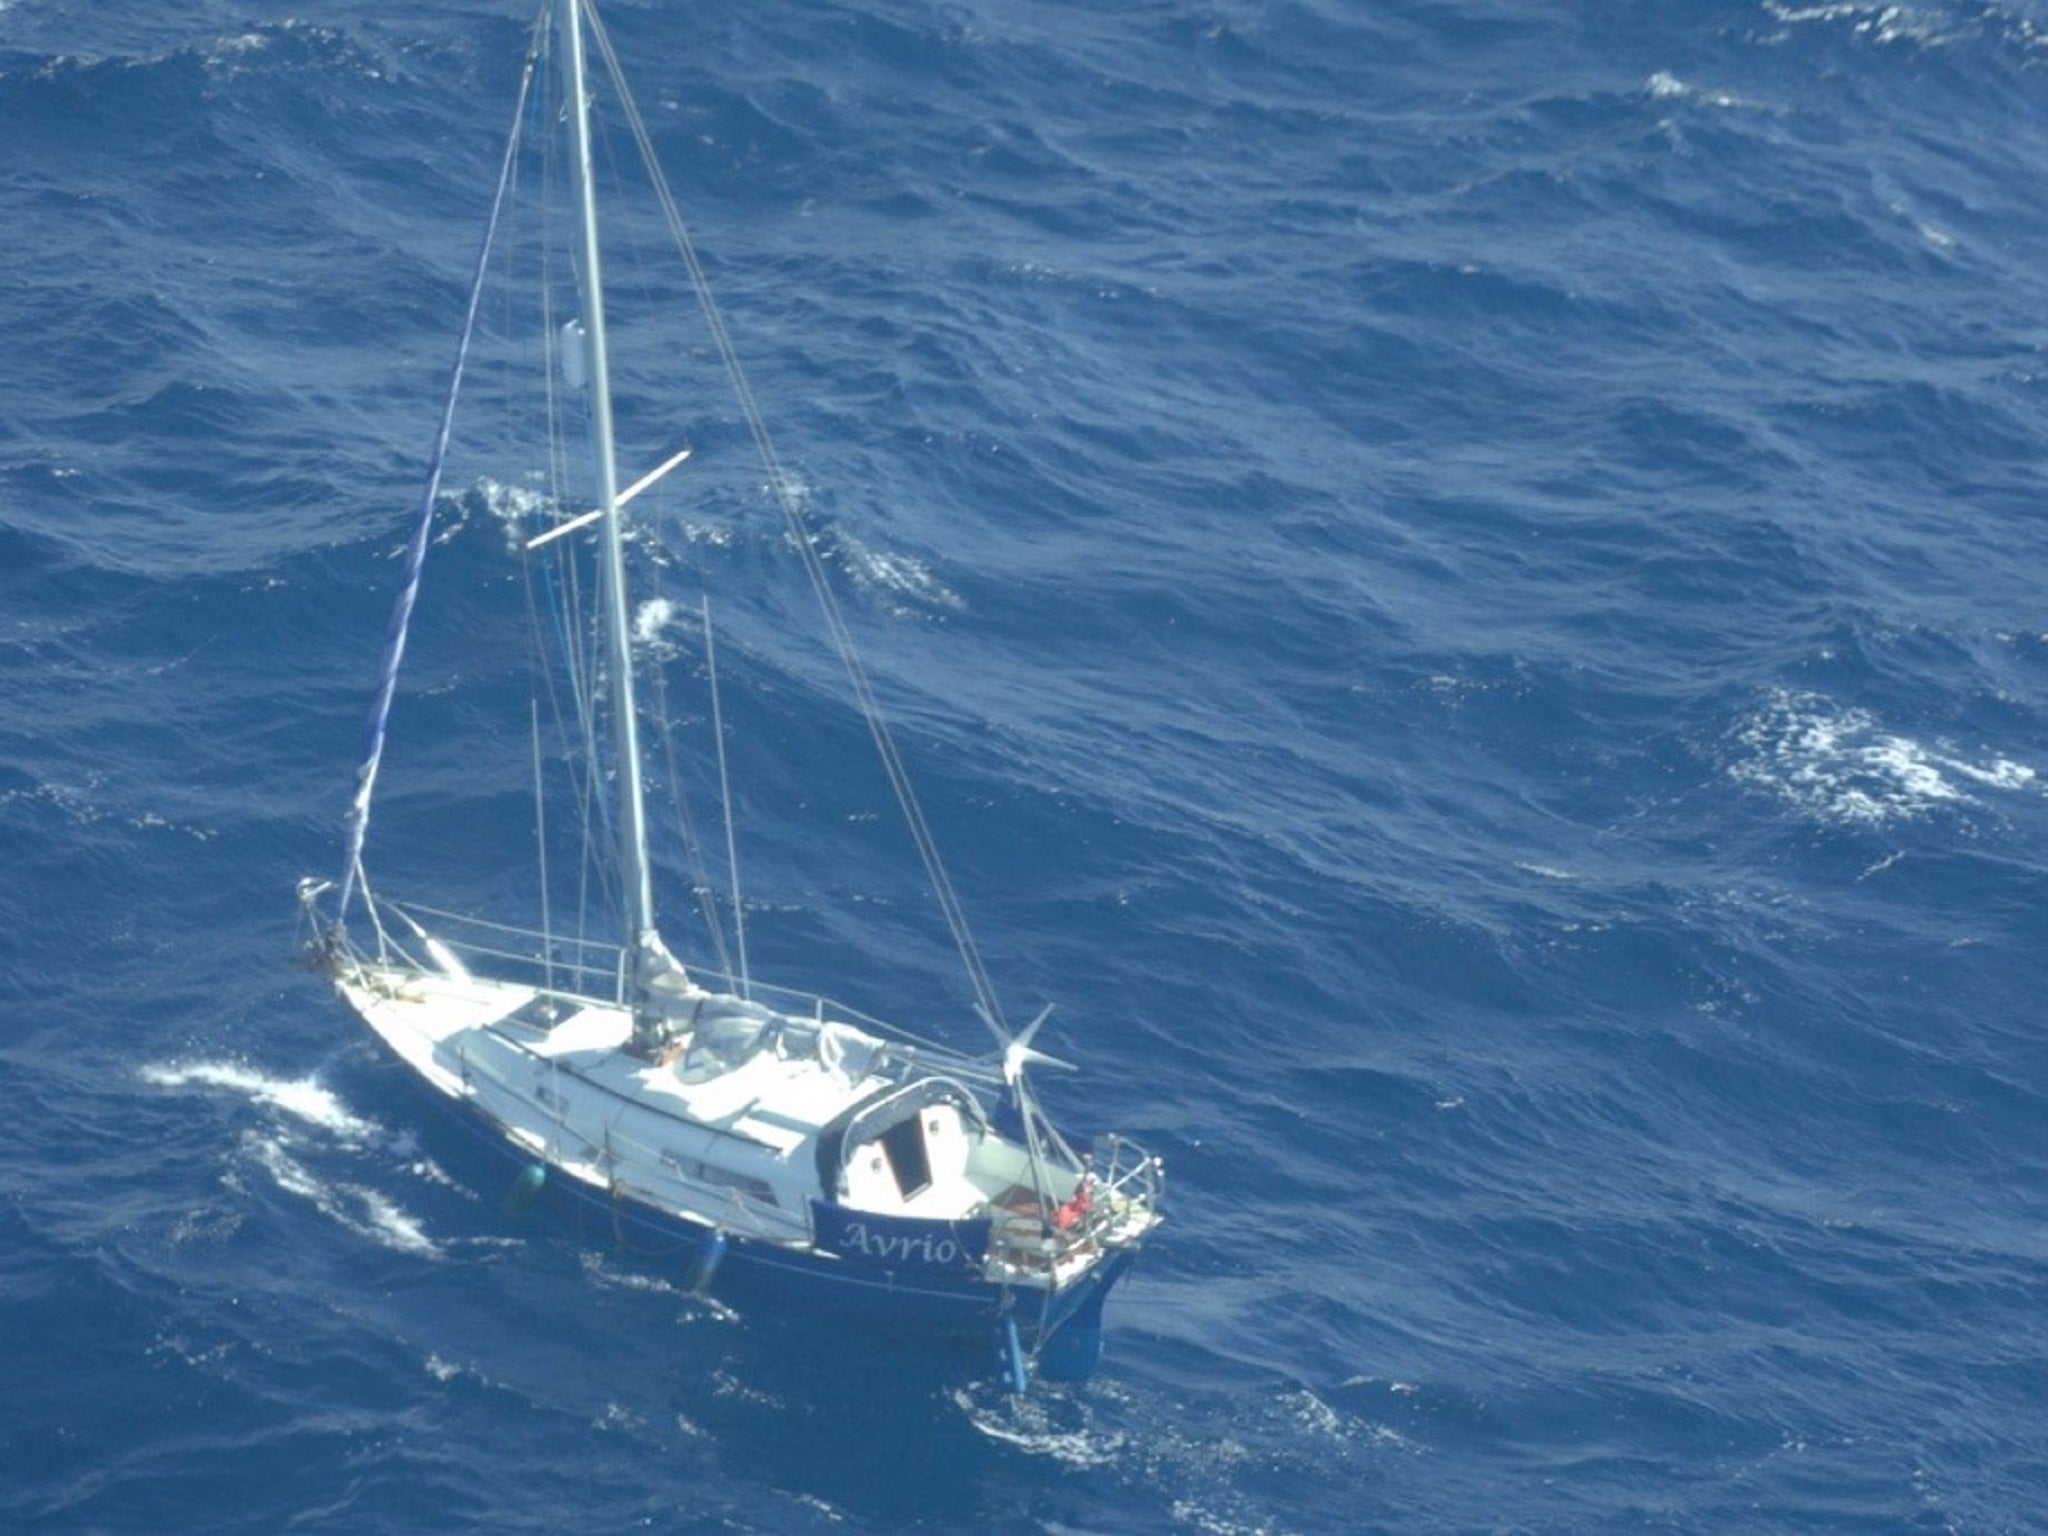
(642, 940)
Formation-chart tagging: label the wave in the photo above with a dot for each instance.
(281, 1149)
(304, 1099)
(1838, 764)
(367, 1212)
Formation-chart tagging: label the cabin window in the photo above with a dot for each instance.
(541, 1012)
(720, 1178)
(904, 1144)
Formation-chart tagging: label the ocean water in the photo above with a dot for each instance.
(1463, 582)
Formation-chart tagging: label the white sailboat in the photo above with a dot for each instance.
(765, 1145)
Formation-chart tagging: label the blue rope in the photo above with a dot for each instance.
(416, 551)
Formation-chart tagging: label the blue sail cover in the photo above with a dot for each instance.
(416, 550)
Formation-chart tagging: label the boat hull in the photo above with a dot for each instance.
(1061, 1332)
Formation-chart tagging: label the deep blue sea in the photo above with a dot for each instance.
(1466, 586)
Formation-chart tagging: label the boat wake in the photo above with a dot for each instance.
(1167, 1458)
(303, 1119)
(1049, 1424)
(304, 1099)
(599, 1271)
(364, 1211)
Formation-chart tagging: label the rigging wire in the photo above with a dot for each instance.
(553, 585)
(540, 838)
(701, 887)
(792, 513)
(732, 847)
(576, 656)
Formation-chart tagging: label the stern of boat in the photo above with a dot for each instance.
(1056, 1269)
(1110, 1208)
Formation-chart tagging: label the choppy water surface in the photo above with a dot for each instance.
(1463, 582)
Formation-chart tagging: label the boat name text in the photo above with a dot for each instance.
(925, 1248)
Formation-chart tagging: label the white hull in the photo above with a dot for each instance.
(725, 1129)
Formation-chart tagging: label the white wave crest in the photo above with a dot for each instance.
(514, 504)
(363, 1211)
(1883, 21)
(302, 1098)
(1665, 86)
(903, 577)
(81, 802)
(1836, 763)
(652, 622)
(1027, 1423)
